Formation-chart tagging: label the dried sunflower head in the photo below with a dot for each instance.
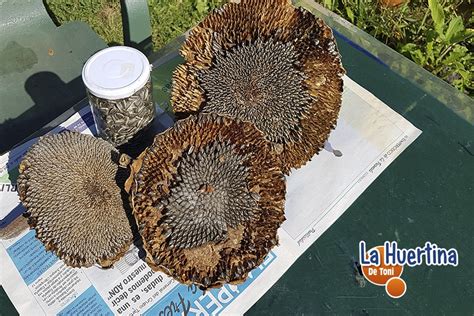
(208, 198)
(269, 63)
(70, 186)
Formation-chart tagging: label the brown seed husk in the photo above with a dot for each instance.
(208, 197)
(267, 62)
(70, 184)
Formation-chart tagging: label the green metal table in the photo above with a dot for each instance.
(425, 195)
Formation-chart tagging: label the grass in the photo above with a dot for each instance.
(436, 34)
(169, 18)
(102, 15)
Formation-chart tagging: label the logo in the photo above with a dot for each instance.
(383, 265)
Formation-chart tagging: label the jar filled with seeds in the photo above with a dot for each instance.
(118, 82)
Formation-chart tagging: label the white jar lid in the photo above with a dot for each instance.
(116, 72)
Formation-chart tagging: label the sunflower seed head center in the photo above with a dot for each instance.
(98, 194)
(259, 82)
(208, 196)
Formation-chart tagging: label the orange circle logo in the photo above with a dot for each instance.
(396, 287)
(384, 275)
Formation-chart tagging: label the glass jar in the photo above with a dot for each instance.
(119, 87)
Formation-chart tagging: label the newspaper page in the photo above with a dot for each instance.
(368, 137)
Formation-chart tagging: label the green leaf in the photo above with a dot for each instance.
(419, 57)
(413, 51)
(408, 48)
(411, 20)
(201, 6)
(329, 4)
(464, 74)
(458, 53)
(455, 30)
(429, 52)
(437, 14)
(350, 14)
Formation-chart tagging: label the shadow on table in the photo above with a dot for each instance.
(51, 97)
(145, 138)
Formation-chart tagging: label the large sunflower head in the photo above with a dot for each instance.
(269, 63)
(208, 198)
(72, 187)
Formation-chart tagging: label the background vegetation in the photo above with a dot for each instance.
(436, 34)
(169, 18)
